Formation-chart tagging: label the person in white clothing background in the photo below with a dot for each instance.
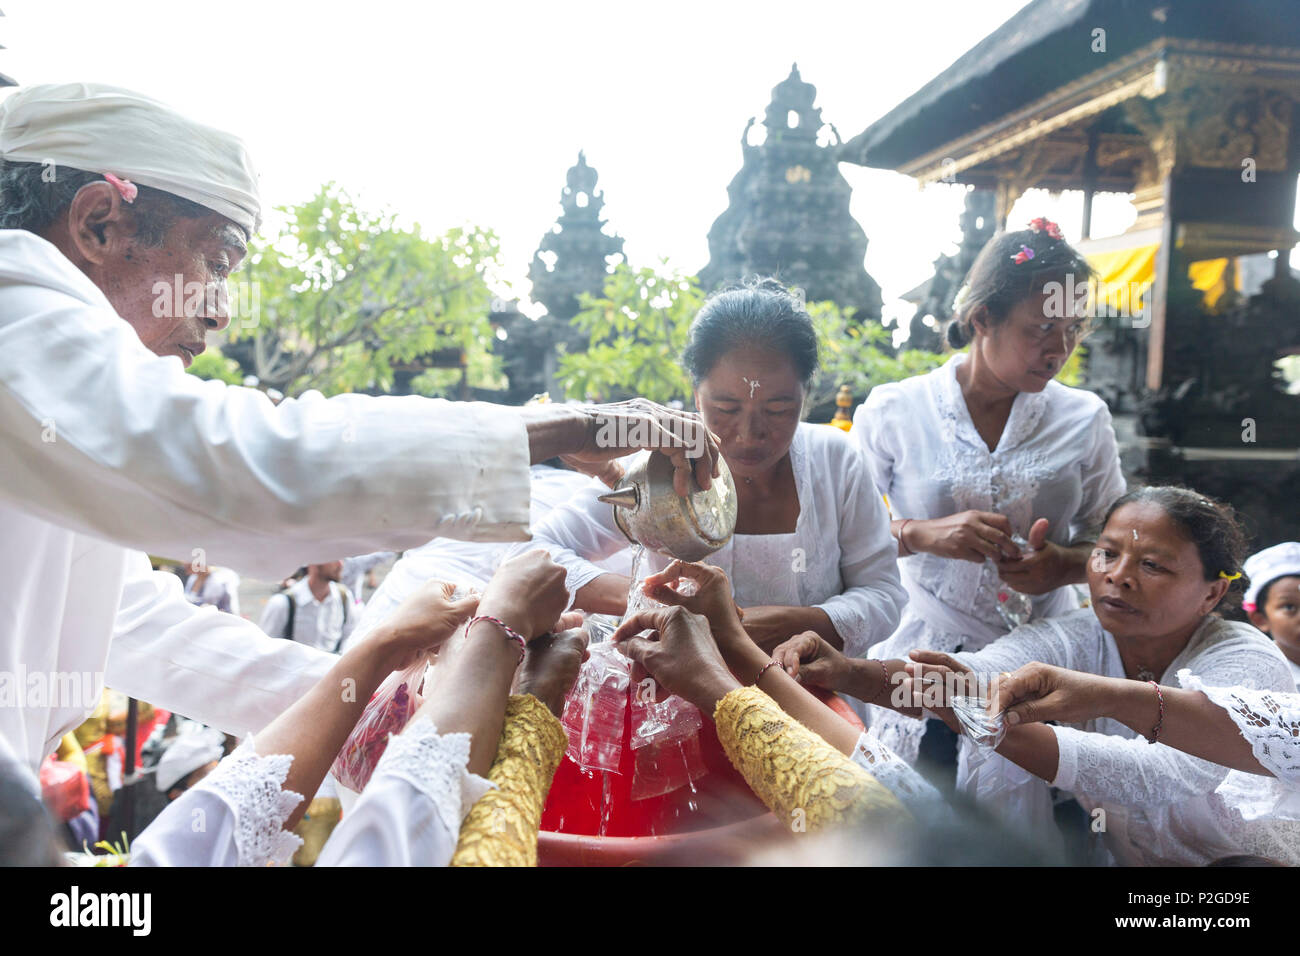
(981, 453)
(811, 549)
(1273, 599)
(218, 587)
(1167, 559)
(112, 450)
(358, 572)
(317, 610)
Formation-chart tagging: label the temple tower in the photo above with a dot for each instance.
(788, 212)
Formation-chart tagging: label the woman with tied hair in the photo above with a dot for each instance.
(812, 549)
(985, 453)
(1166, 561)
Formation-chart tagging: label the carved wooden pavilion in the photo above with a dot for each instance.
(1189, 107)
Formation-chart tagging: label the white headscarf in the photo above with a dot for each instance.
(106, 129)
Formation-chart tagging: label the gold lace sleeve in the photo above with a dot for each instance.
(802, 779)
(501, 828)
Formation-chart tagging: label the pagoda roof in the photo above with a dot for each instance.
(1047, 45)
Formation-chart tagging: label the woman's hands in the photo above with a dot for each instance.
(680, 655)
(813, 662)
(527, 593)
(712, 600)
(421, 624)
(967, 536)
(552, 662)
(1047, 567)
(1041, 692)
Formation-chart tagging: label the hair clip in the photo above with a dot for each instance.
(960, 298)
(128, 189)
(1043, 224)
(1024, 255)
(1229, 577)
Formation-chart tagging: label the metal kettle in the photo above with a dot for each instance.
(650, 512)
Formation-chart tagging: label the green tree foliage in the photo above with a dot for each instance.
(637, 332)
(860, 356)
(342, 295)
(212, 364)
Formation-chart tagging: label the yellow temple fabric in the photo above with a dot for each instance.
(1123, 270)
(804, 780)
(501, 828)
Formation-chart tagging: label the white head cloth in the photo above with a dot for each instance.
(1280, 561)
(186, 754)
(106, 129)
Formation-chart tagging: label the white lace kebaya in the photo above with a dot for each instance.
(1057, 459)
(840, 558)
(1162, 806)
(409, 814)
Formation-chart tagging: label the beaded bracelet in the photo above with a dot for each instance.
(510, 631)
(763, 670)
(1160, 721)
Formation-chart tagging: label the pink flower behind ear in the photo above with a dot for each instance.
(128, 189)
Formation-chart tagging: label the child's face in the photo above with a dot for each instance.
(1280, 615)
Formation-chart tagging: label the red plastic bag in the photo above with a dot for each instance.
(65, 788)
(387, 713)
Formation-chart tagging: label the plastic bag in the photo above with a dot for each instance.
(1014, 607)
(387, 713)
(983, 729)
(65, 788)
(595, 709)
(666, 740)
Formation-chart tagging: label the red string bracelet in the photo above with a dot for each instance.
(510, 631)
(1160, 721)
(763, 670)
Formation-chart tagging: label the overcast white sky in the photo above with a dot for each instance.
(472, 112)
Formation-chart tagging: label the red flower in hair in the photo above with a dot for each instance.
(1043, 224)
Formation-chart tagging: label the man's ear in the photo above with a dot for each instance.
(99, 224)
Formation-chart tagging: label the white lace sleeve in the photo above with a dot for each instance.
(411, 810)
(435, 764)
(253, 787)
(1270, 722)
(233, 817)
(898, 776)
(1131, 771)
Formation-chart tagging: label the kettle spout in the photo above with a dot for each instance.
(623, 498)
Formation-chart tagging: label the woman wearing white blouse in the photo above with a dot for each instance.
(1167, 558)
(812, 548)
(988, 447)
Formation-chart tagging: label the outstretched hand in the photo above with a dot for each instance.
(422, 623)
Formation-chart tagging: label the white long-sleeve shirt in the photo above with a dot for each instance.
(1162, 806)
(102, 441)
(409, 814)
(840, 558)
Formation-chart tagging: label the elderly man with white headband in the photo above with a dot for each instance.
(111, 450)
